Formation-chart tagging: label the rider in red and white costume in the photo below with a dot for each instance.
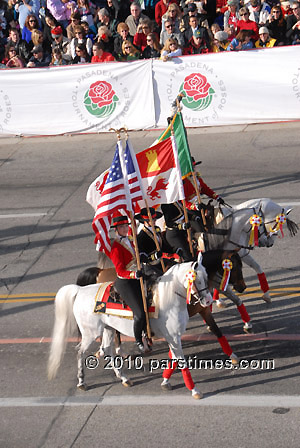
(127, 284)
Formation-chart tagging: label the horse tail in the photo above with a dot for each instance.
(292, 227)
(63, 326)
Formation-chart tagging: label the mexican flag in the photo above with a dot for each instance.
(160, 173)
(183, 149)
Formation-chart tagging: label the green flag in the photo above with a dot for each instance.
(184, 154)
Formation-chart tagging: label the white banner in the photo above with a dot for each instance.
(219, 89)
(231, 87)
(85, 98)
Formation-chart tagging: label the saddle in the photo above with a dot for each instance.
(109, 301)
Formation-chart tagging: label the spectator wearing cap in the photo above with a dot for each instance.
(246, 24)
(134, 18)
(220, 42)
(161, 8)
(293, 25)
(197, 44)
(105, 19)
(80, 38)
(276, 25)
(264, 41)
(170, 32)
(61, 42)
(75, 21)
(191, 11)
(39, 59)
(193, 26)
(259, 11)
(20, 45)
(99, 55)
(242, 41)
(231, 16)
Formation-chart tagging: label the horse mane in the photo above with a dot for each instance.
(292, 227)
(171, 282)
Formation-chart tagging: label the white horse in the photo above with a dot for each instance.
(170, 293)
(269, 210)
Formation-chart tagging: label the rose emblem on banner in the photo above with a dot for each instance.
(100, 99)
(197, 92)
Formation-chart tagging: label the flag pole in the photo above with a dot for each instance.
(137, 170)
(134, 233)
(189, 233)
(138, 261)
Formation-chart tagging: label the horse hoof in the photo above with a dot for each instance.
(266, 297)
(221, 303)
(247, 327)
(234, 359)
(82, 387)
(196, 394)
(127, 383)
(166, 386)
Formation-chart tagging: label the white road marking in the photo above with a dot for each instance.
(249, 401)
(23, 215)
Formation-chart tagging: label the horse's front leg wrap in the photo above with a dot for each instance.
(225, 345)
(263, 282)
(243, 312)
(216, 294)
(172, 364)
(187, 377)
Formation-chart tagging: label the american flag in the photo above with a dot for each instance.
(121, 192)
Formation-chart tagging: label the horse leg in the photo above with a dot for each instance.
(108, 349)
(241, 309)
(220, 302)
(172, 364)
(177, 352)
(209, 319)
(82, 348)
(264, 286)
(117, 339)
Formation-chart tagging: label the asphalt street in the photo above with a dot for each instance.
(46, 239)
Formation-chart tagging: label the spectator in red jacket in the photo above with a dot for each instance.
(99, 55)
(246, 24)
(197, 44)
(161, 8)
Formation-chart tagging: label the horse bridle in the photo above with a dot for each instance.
(263, 224)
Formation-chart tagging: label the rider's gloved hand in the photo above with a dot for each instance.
(158, 255)
(144, 258)
(139, 274)
(179, 252)
(220, 200)
(186, 225)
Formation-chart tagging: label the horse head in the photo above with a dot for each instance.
(200, 285)
(236, 274)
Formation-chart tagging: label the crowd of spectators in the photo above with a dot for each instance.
(39, 33)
